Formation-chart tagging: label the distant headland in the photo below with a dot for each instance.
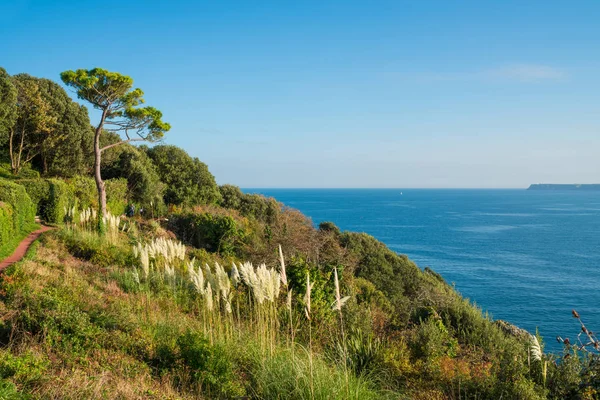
(565, 186)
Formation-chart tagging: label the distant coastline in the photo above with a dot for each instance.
(565, 186)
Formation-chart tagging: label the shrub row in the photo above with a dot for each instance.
(52, 197)
(17, 213)
(217, 232)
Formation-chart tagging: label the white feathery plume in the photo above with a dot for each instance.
(234, 275)
(339, 301)
(169, 270)
(210, 278)
(535, 348)
(208, 297)
(307, 295)
(145, 261)
(197, 277)
(222, 281)
(282, 262)
(136, 276)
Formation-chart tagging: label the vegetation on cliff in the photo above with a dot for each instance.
(214, 293)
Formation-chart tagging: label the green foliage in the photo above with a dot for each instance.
(433, 341)
(116, 195)
(113, 93)
(8, 391)
(84, 190)
(293, 375)
(364, 351)
(210, 366)
(322, 294)
(96, 248)
(327, 226)
(143, 183)
(250, 205)
(393, 274)
(25, 368)
(8, 105)
(188, 181)
(51, 196)
(216, 232)
(38, 190)
(19, 207)
(35, 124)
(231, 196)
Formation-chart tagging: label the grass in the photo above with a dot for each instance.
(9, 247)
(129, 315)
(99, 333)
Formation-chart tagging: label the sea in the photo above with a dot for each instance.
(527, 257)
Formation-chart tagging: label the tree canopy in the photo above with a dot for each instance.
(188, 180)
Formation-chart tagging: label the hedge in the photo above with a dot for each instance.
(51, 196)
(116, 195)
(17, 213)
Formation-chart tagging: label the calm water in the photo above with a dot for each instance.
(528, 257)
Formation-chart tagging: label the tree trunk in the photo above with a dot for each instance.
(97, 174)
(10, 149)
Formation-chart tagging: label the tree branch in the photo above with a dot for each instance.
(121, 142)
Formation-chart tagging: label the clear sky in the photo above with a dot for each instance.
(344, 93)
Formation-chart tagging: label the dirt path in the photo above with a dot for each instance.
(21, 249)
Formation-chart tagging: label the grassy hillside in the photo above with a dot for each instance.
(212, 293)
(136, 314)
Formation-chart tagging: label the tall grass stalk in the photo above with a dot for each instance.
(310, 350)
(339, 303)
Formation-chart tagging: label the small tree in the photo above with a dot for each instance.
(113, 94)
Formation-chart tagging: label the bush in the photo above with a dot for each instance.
(51, 197)
(210, 366)
(188, 180)
(17, 215)
(83, 188)
(116, 195)
(38, 190)
(216, 232)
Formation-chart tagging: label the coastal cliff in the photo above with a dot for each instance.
(567, 186)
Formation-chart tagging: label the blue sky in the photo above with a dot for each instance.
(345, 93)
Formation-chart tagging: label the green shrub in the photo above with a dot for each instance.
(8, 391)
(293, 375)
(24, 368)
(38, 190)
(364, 352)
(59, 199)
(61, 322)
(210, 366)
(215, 232)
(7, 230)
(51, 196)
(95, 248)
(187, 180)
(116, 195)
(84, 190)
(17, 214)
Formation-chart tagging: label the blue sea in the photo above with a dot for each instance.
(528, 257)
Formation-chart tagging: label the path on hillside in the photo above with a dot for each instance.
(21, 249)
